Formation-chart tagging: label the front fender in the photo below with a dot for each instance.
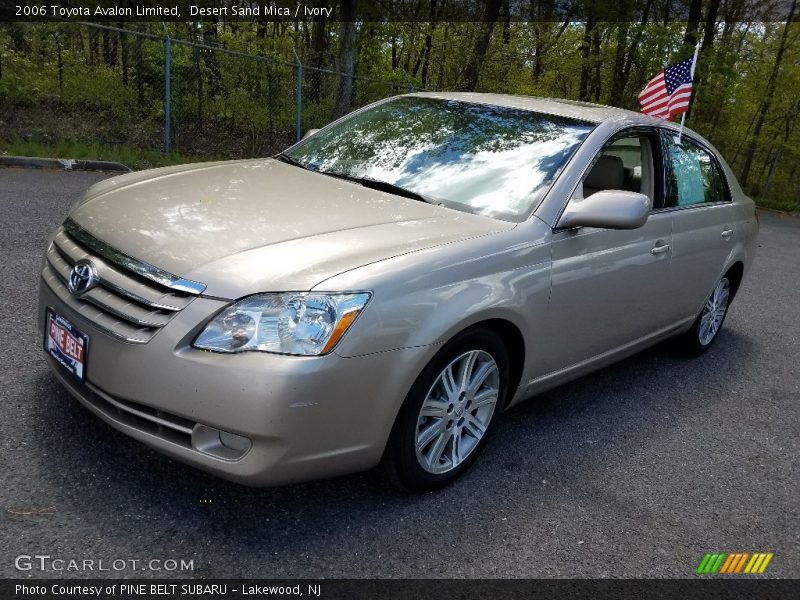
(427, 297)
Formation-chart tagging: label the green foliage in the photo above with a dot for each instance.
(107, 89)
(135, 158)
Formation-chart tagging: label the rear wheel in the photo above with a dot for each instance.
(709, 322)
(449, 412)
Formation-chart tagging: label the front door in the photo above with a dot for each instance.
(612, 287)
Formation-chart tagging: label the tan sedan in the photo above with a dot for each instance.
(384, 289)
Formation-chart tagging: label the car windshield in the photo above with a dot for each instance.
(485, 159)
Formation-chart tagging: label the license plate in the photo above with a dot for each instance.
(66, 344)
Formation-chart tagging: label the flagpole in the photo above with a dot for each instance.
(694, 64)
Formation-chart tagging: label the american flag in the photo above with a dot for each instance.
(668, 93)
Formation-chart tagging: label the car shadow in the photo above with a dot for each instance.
(541, 451)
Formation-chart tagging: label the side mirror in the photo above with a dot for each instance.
(309, 133)
(608, 209)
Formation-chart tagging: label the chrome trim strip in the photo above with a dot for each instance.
(110, 285)
(100, 304)
(117, 313)
(98, 326)
(141, 268)
(140, 414)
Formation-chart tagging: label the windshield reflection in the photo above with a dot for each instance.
(490, 160)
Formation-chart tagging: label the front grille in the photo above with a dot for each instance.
(124, 304)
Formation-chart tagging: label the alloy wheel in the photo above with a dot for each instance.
(457, 411)
(714, 312)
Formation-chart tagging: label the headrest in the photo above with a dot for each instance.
(608, 173)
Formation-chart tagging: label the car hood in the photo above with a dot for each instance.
(243, 227)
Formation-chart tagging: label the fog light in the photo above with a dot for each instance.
(218, 443)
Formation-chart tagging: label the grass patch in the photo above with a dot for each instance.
(791, 205)
(136, 158)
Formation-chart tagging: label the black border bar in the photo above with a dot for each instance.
(400, 589)
(438, 11)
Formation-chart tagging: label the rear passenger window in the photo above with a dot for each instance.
(695, 176)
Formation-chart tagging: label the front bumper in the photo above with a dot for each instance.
(305, 417)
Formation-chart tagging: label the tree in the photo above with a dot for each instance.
(344, 58)
(767, 99)
(478, 54)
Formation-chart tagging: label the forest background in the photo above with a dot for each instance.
(246, 87)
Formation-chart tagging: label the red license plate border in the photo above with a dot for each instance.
(65, 323)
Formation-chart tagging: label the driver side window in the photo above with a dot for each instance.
(625, 163)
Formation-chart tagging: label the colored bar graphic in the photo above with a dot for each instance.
(734, 563)
(727, 565)
(764, 564)
(740, 564)
(730, 564)
(756, 560)
(704, 563)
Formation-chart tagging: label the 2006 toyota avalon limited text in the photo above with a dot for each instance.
(380, 292)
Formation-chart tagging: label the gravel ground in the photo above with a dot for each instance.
(634, 471)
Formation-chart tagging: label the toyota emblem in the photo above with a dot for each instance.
(82, 278)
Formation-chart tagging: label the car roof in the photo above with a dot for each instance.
(584, 111)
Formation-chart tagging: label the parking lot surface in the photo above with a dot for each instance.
(635, 471)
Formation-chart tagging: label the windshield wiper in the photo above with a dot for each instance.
(283, 157)
(383, 186)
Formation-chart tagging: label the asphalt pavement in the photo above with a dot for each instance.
(635, 471)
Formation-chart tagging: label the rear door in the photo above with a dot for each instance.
(703, 220)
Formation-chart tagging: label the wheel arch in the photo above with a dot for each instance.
(514, 342)
(734, 274)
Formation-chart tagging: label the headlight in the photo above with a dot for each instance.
(292, 323)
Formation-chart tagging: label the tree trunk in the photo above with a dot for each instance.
(345, 58)
(104, 35)
(123, 43)
(317, 54)
(767, 101)
(428, 44)
(506, 22)
(440, 76)
(586, 54)
(537, 53)
(60, 64)
(198, 73)
(137, 54)
(693, 24)
(617, 83)
(771, 174)
(711, 25)
(633, 47)
(427, 58)
(473, 67)
(93, 46)
(210, 58)
(596, 79)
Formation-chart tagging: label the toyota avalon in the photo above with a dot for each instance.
(383, 290)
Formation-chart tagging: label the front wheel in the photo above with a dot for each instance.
(708, 324)
(449, 412)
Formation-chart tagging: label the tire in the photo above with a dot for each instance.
(428, 451)
(707, 325)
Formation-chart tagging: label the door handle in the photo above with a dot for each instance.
(727, 233)
(660, 249)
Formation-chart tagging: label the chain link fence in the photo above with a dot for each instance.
(101, 85)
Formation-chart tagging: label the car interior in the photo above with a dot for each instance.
(624, 164)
